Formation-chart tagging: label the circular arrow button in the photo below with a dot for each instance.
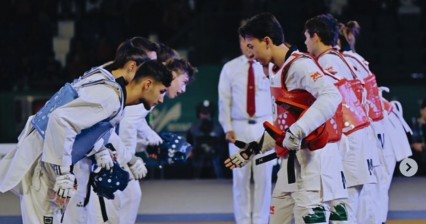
(408, 167)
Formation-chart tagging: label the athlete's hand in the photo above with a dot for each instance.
(150, 137)
(291, 141)
(230, 136)
(138, 168)
(246, 152)
(64, 182)
(64, 185)
(104, 159)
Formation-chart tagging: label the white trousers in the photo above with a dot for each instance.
(262, 176)
(354, 198)
(282, 204)
(369, 204)
(76, 212)
(311, 209)
(357, 156)
(384, 185)
(123, 208)
(321, 187)
(37, 198)
(281, 210)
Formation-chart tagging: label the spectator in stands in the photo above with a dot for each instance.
(408, 7)
(208, 140)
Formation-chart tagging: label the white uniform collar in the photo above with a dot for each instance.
(245, 60)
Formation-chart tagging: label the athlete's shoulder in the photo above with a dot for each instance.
(302, 60)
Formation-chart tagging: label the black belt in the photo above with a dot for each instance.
(252, 121)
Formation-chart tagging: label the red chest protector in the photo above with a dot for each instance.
(354, 115)
(358, 88)
(334, 125)
(290, 106)
(375, 108)
(387, 106)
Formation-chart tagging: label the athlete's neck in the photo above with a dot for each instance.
(321, 50)
(278, 54)
(122, 73)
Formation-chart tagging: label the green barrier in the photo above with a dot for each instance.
(16, 107)
(410, 97)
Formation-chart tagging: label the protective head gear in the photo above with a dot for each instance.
(106, 182)
(174, 149)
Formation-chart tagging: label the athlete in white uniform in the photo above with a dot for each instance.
(136, 135)
(391, 139)
(319, 179)
(41, 168)
(127, 201)
(396, 147)
(321, 34)
(237, 124)
(369, 199)
(282, 203)
(80, 209)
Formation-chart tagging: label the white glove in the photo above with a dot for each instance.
(236, 161)
(150, 137)
(64, 183)
(138, 168)
(104, 159)
(246, 152)
(291, 141)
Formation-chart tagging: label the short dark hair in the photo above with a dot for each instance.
(344, 44)
(155, 70)
(325, 26)
(181, 65)
(262, 25)
(133, 49)
(351, 27)
(144, 44)
(166, 53)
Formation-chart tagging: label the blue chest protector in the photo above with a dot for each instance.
(85, 140)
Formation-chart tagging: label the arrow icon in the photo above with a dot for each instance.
(409, 167)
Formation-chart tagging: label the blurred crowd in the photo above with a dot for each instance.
(28, 27)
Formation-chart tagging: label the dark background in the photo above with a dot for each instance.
(48, 42)
(205, 30)
(45, 43)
